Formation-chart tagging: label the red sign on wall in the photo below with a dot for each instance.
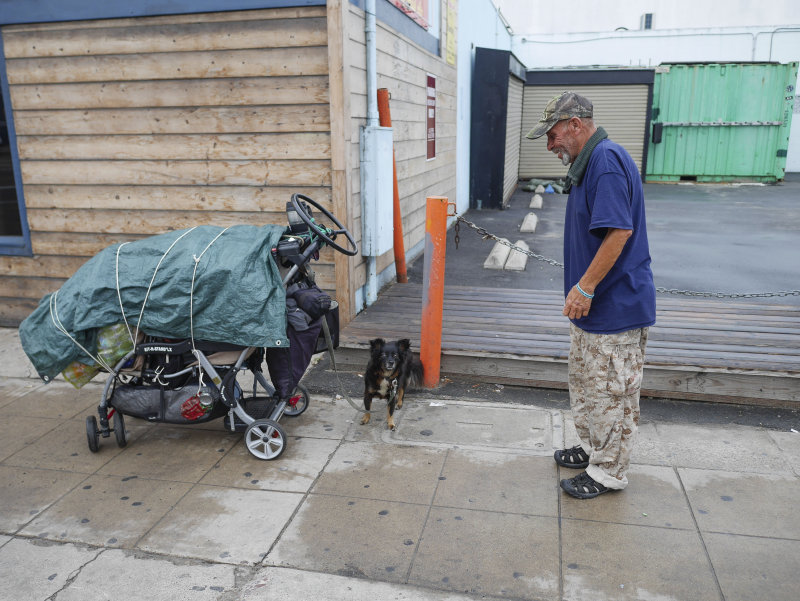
(431, 119)
(417, 10)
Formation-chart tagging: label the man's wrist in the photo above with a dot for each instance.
(587, 293)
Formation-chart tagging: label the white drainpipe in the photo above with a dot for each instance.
(371, 292)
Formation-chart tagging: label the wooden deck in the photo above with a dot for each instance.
(699, 349)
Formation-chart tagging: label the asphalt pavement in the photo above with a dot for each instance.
(730, 239)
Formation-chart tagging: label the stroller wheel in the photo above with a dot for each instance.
(119, 429)
(92, 434)
(265, 439)
(298, 402)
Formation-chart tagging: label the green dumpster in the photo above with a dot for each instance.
(721, 122)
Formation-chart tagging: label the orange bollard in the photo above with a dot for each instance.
(385, 120)
(433, 288)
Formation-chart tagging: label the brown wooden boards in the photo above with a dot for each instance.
(133, 127)
(699, 348)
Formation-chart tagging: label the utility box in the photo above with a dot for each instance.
(721, 122)
(377, 191)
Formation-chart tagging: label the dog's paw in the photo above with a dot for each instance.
(390, 423)
(365, 419)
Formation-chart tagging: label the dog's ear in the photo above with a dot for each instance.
(404, 344)
(376, 343)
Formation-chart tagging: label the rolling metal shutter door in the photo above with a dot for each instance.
(620, 109)
(513, 135)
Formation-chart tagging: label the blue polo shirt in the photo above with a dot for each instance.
(610, 196)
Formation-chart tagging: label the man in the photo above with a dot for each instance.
(609, 293)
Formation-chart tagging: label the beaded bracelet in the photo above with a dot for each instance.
(586, 294)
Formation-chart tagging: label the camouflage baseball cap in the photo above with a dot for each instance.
(564, 106)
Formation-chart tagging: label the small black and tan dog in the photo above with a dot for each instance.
(391, 369)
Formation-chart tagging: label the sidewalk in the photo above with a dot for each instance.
(460, 503)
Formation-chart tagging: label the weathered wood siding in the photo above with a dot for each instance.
(402, 69)
(133, 127)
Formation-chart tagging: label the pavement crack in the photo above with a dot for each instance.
(302, 502)
(74, 576)
(699, 533)
(425, 521)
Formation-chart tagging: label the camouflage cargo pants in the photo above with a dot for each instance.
(605, 378)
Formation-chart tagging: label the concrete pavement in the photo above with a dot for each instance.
(460, 503)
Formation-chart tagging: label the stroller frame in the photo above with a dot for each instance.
(264, 437)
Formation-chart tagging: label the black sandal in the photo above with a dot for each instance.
(575, 458)
(583, 486)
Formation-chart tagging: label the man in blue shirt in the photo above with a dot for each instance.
(609, 293)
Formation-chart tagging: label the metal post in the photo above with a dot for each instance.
(433, 288)
(385, 118)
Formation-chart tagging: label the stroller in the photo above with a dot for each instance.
(194, 381)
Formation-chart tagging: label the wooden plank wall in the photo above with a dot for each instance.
(133, 127)
(402, 68)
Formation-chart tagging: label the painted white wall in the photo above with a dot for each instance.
(650, 48)
(608, 15)
(479, 25)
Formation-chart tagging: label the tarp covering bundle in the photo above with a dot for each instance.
(207, 283)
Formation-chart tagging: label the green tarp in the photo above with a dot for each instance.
(236, 297)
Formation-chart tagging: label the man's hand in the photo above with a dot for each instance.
(576, 304)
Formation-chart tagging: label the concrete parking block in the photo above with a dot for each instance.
(58, 400)
(498, 482)
(755, 568)
(380, 471)
(362, 538)
(295, 470)
(733, 448)
(475, 426)
(488, 553)
(225, 525)
(118, 574)
(107, 510)
(744, 503)
(623, 562)
(36, 570)
(529, 223)
(16, 434)
(286, 583)
(654, 497)
(167, 453)
(517, 260)
(497, 256)
(65, 448)
(536, 202)
(26, 492)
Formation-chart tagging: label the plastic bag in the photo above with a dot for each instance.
(113, 343)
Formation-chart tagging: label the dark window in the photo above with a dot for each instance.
(10, 222)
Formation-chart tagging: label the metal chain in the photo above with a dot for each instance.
(487, 235)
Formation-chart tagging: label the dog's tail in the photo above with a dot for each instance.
(416, 373)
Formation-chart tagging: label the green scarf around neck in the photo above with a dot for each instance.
(575, 173)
